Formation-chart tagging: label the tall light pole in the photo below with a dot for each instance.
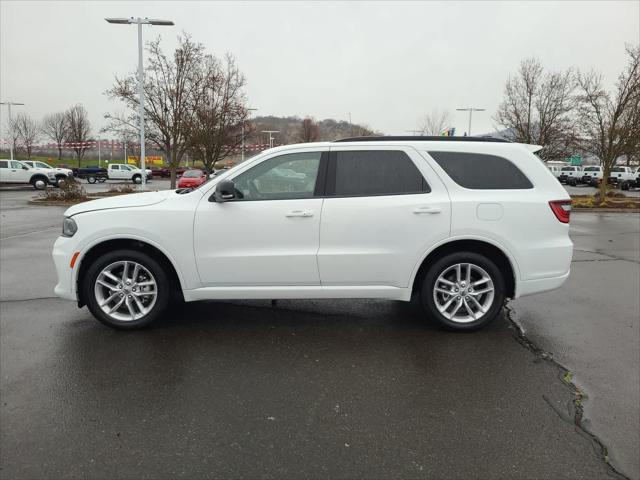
(270, 132)
(248, 110)
(8, 104)
(140, 21)
(470, 110)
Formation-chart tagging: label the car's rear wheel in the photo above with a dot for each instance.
(91, 179)
(463, 291)
(126, 289)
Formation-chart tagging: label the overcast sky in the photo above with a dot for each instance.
(386, 63)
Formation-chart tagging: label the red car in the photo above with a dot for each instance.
(192, 179)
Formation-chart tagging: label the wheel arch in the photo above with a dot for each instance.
(504, 261)
(141, 245)
(39, 176)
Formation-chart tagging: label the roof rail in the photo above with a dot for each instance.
(417, 138)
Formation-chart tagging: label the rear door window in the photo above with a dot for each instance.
(373, 172)
(480, 171)
(4, 164)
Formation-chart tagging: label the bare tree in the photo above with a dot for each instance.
(538, 108)
(609, 123)
(12, 132)
(28, 132)
(54, 127)
(434, 122)
(78, 130)
(309, 131)
(221, 112)
(173, 89)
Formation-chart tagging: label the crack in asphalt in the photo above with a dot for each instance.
(610, 257)
(29, 299)
(29, 233)
(566, 377)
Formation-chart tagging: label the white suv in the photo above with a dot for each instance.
(457, 223)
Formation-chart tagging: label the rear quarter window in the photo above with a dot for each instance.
(480, 171)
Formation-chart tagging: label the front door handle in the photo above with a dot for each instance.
(299, 213)
(427, 210)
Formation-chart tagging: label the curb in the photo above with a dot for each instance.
(606, 210)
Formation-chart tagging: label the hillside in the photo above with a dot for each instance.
(289, 129)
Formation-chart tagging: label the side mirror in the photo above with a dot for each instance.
(225, 191)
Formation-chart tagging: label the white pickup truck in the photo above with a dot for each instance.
(15, 172)
(60, 173)
(591, 175)
(570, 175)
(115, 171)
(620, 175)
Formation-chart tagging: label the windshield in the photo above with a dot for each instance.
(592, 169)
(192, 174)
(125, 167)
(568, 169)
(42, 165)
(618, 169)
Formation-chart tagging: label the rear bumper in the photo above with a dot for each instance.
(539, 285)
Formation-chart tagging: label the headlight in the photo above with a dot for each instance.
(69, 227)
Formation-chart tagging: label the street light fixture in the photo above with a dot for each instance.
(270, 132)
(470, 110)
(248, 110)
(140, 21)
(8, 104)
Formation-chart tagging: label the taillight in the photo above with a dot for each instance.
(562, 209)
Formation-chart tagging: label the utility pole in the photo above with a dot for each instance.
(140, 21)
(470, 110)
(248, 110)
(270, 132)
(11, 145)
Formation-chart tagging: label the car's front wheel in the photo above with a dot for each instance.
(463, 291)
(126, 289)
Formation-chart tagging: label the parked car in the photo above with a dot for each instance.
(555, 169)
(15, 172)
(61, 174)
(458, 223)
(633, 183)
(570, 175)
(180, 171)
(161, 172)
(620, 174)
(591, 175)
(192, 179)
(115, 171)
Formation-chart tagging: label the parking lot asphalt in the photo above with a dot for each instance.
(347, 388)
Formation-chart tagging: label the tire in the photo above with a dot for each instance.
(39, 182)
(491, 301)
(137, 179)
(572, 182)
(60, 179)
(91, 179)
(624, 185)
(122, 319)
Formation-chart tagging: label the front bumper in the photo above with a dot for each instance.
(63, 250)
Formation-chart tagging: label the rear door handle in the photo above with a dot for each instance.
(428, 210)
(299, 213)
